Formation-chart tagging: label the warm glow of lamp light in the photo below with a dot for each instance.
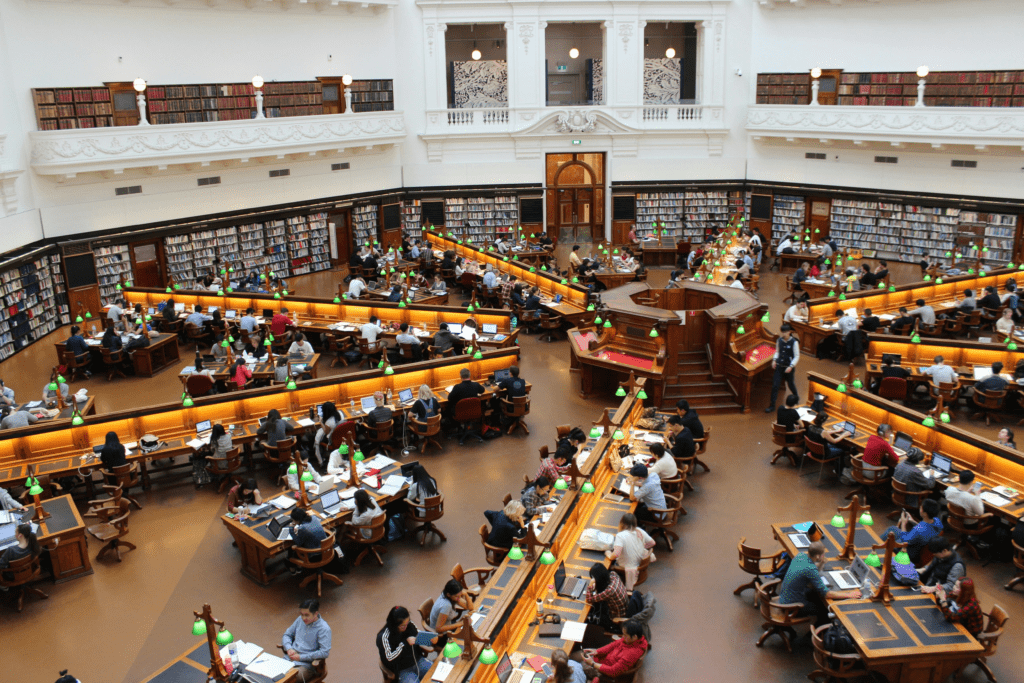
(574, 53)
(257, 82)
(347, 79)
(922, 71)
(476, 54)
(815, 73)
(139, 84)
(670, 53)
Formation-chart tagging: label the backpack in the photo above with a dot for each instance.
(837, 640)
(635, 604)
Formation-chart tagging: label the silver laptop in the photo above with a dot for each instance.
(368, 404)
(279, 531)
(331, 500)
(509, 674)
(853, 577)
(7, 535)
(405, 396)
(569, 586)
(203, 429)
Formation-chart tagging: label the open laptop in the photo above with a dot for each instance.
(902, 442)
(509, 674)
(367, 403)
(850, 427)
(405, 396)
(853, 577)
(151, 311)
(407, 468)
(230, 315)
(268, 313)
(331, 500)
(896, 358)
(203, 429)
(941, 467)
(326, 483)
(490, 328)
(501, 375)
(179, 308)
(455, 328)
(571, 586)
(279, 531)
(7, 535)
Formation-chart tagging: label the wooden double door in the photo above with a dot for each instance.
(575, 193)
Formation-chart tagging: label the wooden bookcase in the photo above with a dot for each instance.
(113, 264)
(34, 300)
(66, 108)
(376, 95)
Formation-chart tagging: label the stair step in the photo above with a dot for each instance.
(690, 377)
(693, 355)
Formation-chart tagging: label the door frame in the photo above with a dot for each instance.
(160, 265)
(593, 198)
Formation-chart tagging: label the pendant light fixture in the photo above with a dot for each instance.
(574, 53)
(670, 53)
(476, 53)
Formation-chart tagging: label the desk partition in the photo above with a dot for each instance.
(955, 352)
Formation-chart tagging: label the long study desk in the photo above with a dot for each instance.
(994, 465)
(59, 449)
(161, 352)
(939, 293)
(193, 665)
(62, 536)
(261, 369)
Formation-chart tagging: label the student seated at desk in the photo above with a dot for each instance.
(293, 479)
(901, 322)
(371, 330)
(307, 639)
(239, 373)
(443, 338)
(632, 546)
(617, 657)
(113, 454)
(730, 282)
(944, 569)
(248, 321)
(396, 293)
(469, 330)
(76, 344)
(991, 299)
(787, 416)
(507, 525)
(459, 269)
(850, 281)
(307, 533)
(804, 586)
(438, 286)
(962, 494)
(923, 311)
(796, 312)
(870, 321)
(571, 442)
(404, 337)
(365, 512)
(300, 347)
(940, 372)
(380, 413)
(466, 388)
(533, 301)
(607, 594)
(868, 280)
(663, 465)
(426, 404)
(535, 497)
(969, 303)
(27, 546)
(7, 501)
(196, 317)
(878, 450)
(645, 491)
(281, 370)
(831, 439)
(423, 485)
(801, 274)
(15, 419)
(1005, 438)
(916, 536)
(1006, 323)
(786, 245)
(446, 614)
(993, 383)
(111, 340)
(516, 296)
(241, 495)
(680, 438)
(555, 465)
(274, 429)
(329, 420)
(890, 370)
(356, 287)
(6, 395)
(512, 386)
(908, 474)
(691, 420)
(396, 647)
(280, 322)
(961, 606)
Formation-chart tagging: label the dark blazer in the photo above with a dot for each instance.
(504, 531)
(112, 456)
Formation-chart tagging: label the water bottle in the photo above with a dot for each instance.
(351, 406)
(515, 322)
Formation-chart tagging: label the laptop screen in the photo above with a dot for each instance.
(268, 313)
(230, 314)
(7, 532)
(850, 427)
(504, 668)
(859, 569)
(368, 404)
(501, 375)
(203, 426)
(407, 468)
(560, 576)
(263, 421)
(330, 498)
(405, 395)
(903, 441)
(274, 527)
(490, 328)
(179, 308)
(151, 311)
(895, 358)
(455, 328)
(940, 463)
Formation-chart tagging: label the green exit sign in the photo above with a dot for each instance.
(577, 142)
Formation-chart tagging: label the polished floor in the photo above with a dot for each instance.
(129, 619)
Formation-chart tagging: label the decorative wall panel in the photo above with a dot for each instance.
(480, 84)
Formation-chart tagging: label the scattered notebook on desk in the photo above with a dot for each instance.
(283, 502)
(270, 666)
(441, 671)
(1006, 491)
(306, 422)
(994, 499)
(371, 481)
(573, 630)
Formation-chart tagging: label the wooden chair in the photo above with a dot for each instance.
(972, 323)
(793, 291)
(197, 335)
(112, 528)
(700, 448)
(833, 666)
(1018, 563)
(989, 638)
(372, 352)
(434, 352)
(990, 402)
(786, 441)
(562, 431)
(387, 673)
(814, 451)
(482, 574)
(113, 499)
(493, 555)
(224, 467)
(989, 316)
(315, 560)
(338, 344)
(198, 385)
(514, 411)
(755, 285)
(949, 391)
(373, 547)
(552, 327)
(665, 519)
(113, 361)
(870, 478)
(629, 675)
(281, 452)
(425, 514)
(380, 433)
(467, 412)
(893, 388)
(674, 487)
(752, 561)
(953, 327)
(76, 367)
(427, 431)
(904, 500)
(319, 667)
(19, 574)
(779, 619)
(926, 330)
(125, 477)
(968, 526)
(425, 609)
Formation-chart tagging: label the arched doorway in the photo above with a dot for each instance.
(575, 197)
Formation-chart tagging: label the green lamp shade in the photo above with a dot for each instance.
(266, 342)
(928, 421)
(828, 262)
(576, 279)
(224, 637)
(469, 308)
(168, 290)
(842, 297)
(944, 417)
(985, 249)
(337, 299)
(401, 304)
(598, 320)
(938, 280)
(223, 271)
(148, 318)
(36, 489)
(831, 292)
(564, 281)
(857, 384)
(77, 420)
(892, 288)
(277, 295)
(89, 315)
(865, 518)
(949, 253)
(224, 343)
(60, 378)
(516, 553)
(981, 273)
(476, 356)
(358, 456)
(561, 485)
(642, 395)
(587, 487)
(380, 364)
(1012, 346)
(547, 557)
(902, 557)
(118, 287)
(78, 319)
(595, 432)
(199, 628)
(285, 292)
(916, 339)
(293, 468)
(1020, 267)
(607, 324)
(615, 251)
(841, 388)
(291, 384)
(741, 330)
(620, 392)
(307, 476)
(654, 333)
(491, 248)
(187, 402)
(881, 285)
(872, 560)
(590, 308)
(177, 286)
(765, 318)
(488, 656)
(618, 435)
(838, 521)
(452, 650)
(532, 269)
(343, 449)
(505, 259)
(389, 370)
(220, 292)
(344, 296)
(817, 231)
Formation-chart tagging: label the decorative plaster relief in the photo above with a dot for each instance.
(525, 34)
(625, 32)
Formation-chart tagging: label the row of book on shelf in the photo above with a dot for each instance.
(34, 302)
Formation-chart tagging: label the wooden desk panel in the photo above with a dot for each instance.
(147, 360)
(62, 536)
(193, 665)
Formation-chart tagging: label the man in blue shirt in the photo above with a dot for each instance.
(804, 586)
(76, 344)
(490, 279)
(307, 639)
(917, 536)
(645, 491)
(248, 321)
(196, 317)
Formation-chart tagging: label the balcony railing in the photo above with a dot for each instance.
(90, 150)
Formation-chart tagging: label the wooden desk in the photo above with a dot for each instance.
(193, 665)
(148, 360)
(422, 296)
(86, 408)
(818, 290)
(57, 449)
(993, 465)
(961, 354)
(658, 252)
(62, 536)
(261, 369)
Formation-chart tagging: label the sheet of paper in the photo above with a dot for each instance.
(395, 480)
(196, 444)
(379, 462)
(390, 489)
(982, 372)
(34, 404)
(131, 445)
(306, 422)
(441, 671)
(994, 499)
(1006, 491)
(283, 502)
(653, 438)
(270, 666)
(573, 630)
(371, 481)
(805, 413)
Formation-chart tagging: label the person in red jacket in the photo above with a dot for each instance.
(280, 322)
(878, 450)
(618, 656)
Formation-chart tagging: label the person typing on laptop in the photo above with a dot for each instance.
(878, 449)
(466, 388)
(7, 501)
(606, 589)
(300, 347)
(908, 473)
(804, 586)
(306, 533)
(307, 639)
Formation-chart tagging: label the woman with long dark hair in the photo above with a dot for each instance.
(112, 454)
(27, 545)
(423, 485)
(606, 590)
(241, 495)
(961, 605)
(366, 511)
(395, 645)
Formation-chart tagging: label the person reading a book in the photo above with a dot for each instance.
(241, 495)
(395, 643)
(307, 639)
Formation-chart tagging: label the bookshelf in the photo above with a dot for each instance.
(655, 208)
(66, 108)
(113, 264)
(252, 246)
(481, 218)
(996, 231)
(374, 95)
(275, 233)
(364, 225)
(788, 216)
(706, 211)
(897, 231)
(308, 244)
(412, 219)
(178, 255)
(927, 229)
(301, 98)
(228, 247)
(784, 88)
(34, 303)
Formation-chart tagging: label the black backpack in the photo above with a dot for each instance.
(837, 640)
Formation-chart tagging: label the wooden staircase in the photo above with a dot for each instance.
(695, 383)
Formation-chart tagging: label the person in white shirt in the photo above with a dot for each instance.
(370, 330)
(300, 347)
(501, 245)
(632, 546)
(356, 287)
(459, 270)
(1005, 324)
(114, 314)
(468, 330)
(940, 373)
(490, 279)
(664, 465)
(755, 238)
(293, 479)
(337, 463)
(962, 495)
(797, 311)
(574, 256)
(786, 246)
(924, 311)
(730, 282)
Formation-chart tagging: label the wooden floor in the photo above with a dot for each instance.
(129, 619)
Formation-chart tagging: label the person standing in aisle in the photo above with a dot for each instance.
(787, 354)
